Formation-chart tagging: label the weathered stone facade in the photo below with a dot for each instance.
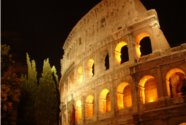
(107, 78)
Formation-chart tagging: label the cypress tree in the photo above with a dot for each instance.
(47, 96)
(29, 87)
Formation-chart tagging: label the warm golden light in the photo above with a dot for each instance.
(90, 68)
(138, 52)
(104, 101)
(148, 89)
(138, 39)
(80, 70)
(127, 97)
(80, 74)
(151, 99)
(78, 111)
(170, 77)
(89, 106)
(183, 123)
(120, 101)
(118, 51)
(123, 95)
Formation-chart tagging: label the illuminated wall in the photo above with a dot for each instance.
(127, 96)
(174, 79)
(89, 106)
(103, 66)
(80, 74)
(124, 97)
(78, 111)
(138, 40)
(90, 68)
(104, 101)
(118, 53)
(148, 89)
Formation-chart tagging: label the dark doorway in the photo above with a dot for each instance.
(145, 48)
(93, 72)
(124, 54)
(107, 64)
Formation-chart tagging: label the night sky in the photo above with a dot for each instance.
(41, 27)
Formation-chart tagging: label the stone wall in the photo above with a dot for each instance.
(108, 25)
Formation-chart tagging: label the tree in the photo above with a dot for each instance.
(6, 58)
(10, 88)
(29, 88)
(47, 97)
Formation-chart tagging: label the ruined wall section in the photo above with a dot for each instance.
(100, 22)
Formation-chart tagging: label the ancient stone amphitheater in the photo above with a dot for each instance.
(118, 69)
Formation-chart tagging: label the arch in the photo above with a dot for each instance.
(107, 63)
(127, 96)
(143, 44)
(148, 89)
(175, 82)
(121, 52)
(123, 94)
(104, 101)
(91, 70)
(80, 74)
(89, 106)
(78, 110)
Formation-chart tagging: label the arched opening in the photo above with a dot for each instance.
(80, 74)
(89, 106)
(124, 98)
(176, 83)
(127, 97)
(107, 64)
(91, 70)
(148, 89)
(104, 101)
(121, 52)
(78, 111)
(124, 54)
(145, 48)
(143, 45)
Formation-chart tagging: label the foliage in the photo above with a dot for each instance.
(10, 88)
(47, 97)
(27, 100)
(6, 58)
(40, 98)
(29, 88)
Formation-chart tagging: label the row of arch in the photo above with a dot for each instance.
(175, 84)
(143, 47)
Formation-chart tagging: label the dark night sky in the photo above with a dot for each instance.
(40, 27)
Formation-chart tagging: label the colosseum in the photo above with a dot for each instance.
(118, 69)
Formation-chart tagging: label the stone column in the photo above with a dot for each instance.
(131, 48)
(160, 83)
(96, 105)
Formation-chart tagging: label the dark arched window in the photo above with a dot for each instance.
(145, 46)
(107, 64)
(93, 72)
(124, 54)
